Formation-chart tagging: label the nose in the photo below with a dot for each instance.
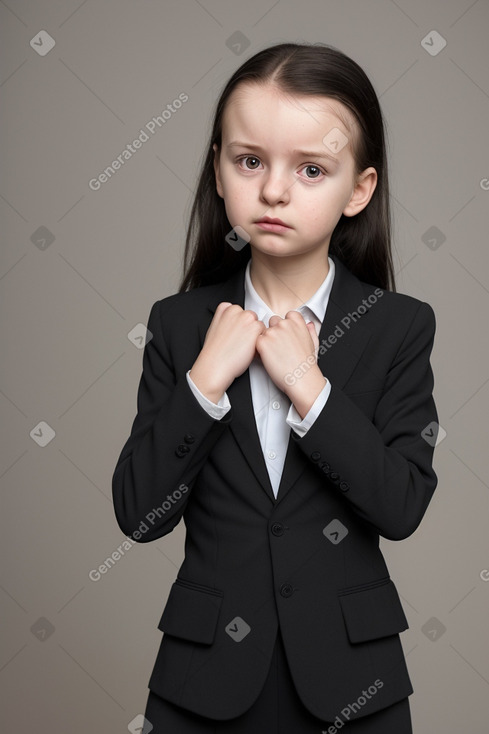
(275, 187)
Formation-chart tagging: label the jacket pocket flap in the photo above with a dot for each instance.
(191, 613)
(374, 612)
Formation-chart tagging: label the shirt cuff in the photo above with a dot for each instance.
(301, 426)
(216, 410)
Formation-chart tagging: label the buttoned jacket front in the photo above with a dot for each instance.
(309, 560)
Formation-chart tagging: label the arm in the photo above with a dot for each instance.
(216, 410)
(170, 439)
(302, 425)
(383, 468)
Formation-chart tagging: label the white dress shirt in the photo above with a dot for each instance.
(274, 413)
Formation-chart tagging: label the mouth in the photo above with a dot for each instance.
(272, 224)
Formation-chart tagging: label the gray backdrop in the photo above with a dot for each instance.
(83, 262)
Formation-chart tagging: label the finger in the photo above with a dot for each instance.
(314, 336)
(223, 306)
(274, 320)
(295, 315)
(313, 331)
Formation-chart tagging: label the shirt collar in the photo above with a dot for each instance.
(316, 304)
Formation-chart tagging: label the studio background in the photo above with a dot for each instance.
(82, 264)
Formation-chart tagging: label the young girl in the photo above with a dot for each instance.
(285, 411)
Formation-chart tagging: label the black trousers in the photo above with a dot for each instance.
(277, 710)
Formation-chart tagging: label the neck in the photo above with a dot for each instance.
(285, 283)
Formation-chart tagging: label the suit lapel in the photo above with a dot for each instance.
(336, 361)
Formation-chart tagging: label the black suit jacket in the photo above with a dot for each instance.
(309, 560)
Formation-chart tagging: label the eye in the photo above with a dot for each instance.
(315, 170)
(249, 158)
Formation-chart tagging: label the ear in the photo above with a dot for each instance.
(362, 192)
(217, 154)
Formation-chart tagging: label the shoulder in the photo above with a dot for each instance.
(182, 305)
(397, 304)
(401, 320)
(389, 311)
(188, 299)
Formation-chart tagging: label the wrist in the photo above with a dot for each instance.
(305, 391)
(209, 384)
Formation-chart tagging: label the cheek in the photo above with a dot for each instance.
(324, 203)
(237, 193)
(316, 207)
(318, 216)
(234, 207)
(234, 202)
(231, 186)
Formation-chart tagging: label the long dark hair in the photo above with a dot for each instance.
(361, 242)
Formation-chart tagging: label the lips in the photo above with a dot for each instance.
(270, 220)
(272, 225)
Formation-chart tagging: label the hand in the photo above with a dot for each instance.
(228, 349)
(286, 345)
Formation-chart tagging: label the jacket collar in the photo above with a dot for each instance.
(342, 340)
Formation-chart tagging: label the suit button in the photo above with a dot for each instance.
(189, 438)
(344, 486)
(325, 466)
(277, 528)
(316, 455)
(334, 476)
(286, 590)
(182, 450)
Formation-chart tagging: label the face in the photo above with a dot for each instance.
(289, 158)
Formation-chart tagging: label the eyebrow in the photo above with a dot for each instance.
(305, 153)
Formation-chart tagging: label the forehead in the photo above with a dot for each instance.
(257, 110)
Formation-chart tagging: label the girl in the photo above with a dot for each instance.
(285, 410)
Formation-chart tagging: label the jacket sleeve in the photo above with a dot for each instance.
(170, 439)
(383, 468)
